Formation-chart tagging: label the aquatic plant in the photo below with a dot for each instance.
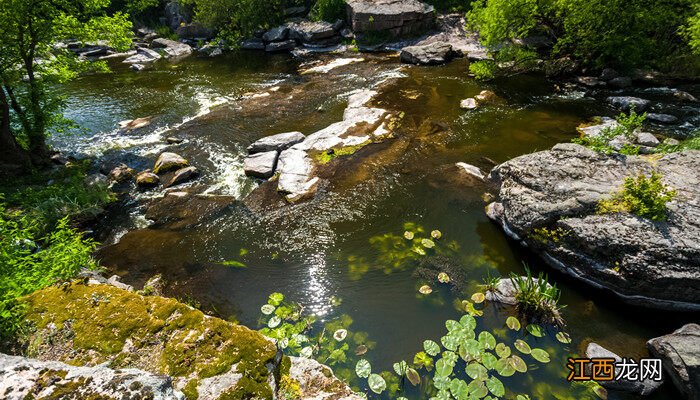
(642, 196)
(537, 299)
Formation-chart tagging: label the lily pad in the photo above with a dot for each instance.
(431, 347)
(436, 234)
(363, 368)
(495, 386)
(453, 326)
(441, 382)
(400, 368)
(340, 334)
(535, 330)
(504, 368)
(450, 341)
(513, 323)
(425, 289)
(487, 340)
(489, 361)
(274, 322)
(478, 298)
(427, 243)
(413, 376)
(443, 277)
(477, 371)
(469, 308)
(459, 389)
(376, 383)
(468, 322)
(563, 337)
(307, 352)
(443, 368)
(408, 235)
(473, 348)
(361, 350)
(517, 363)
(540, 355)
(275, 299)
(267, 309)
(450, 357)
(478, 389)
(502, 350)
(522, 346)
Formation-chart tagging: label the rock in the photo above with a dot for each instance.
(137, 67)
(429, 54)
(183, 175)
(115, 281)
(662, 118)
(397, 18)
(609, 74)
(278, 34)
(276, 47)
(625, 103)
(59, 159)
(193, 31)
(560, 67)
(131, 124)
(671, 142)
(310, 32)
(468, 104)
(154, 286)
(590, 81)
(96, 179)
(171, 48)
(471, 170)
(647, 139)
(279, 142)
(173, 140)
(642, 388)
(211, 51)
(169, 162)
(684, 96)
(174, 15)
(619, 141)
(261, 165)
(680, 355)
(147, 179)
(295, 172)
(486, 97)
(317, 381)
(298, 11)
(595, 130)
(621, 82)
(253, 44)
(24, 378)
(143, 56)
(121, 173)
(505, 292)
(643, 262)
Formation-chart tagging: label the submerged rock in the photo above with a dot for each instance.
(279, 142)
(643, 388)
(662, 118)
(471, 170)
(548, 201)
(261, 165)
(168, 162)
(25, 378)
(680, 355)
(429, 54)
(396, 18)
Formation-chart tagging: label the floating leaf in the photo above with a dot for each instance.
(535, 330)
(340, 334)
(459, 389)
(436, 234)
(413, 376)
(522, 346)
(275, 299)
(453, 326)
(473, 348)
(489, 361)
(517, 363)
(283, 343)
(450, 341)
(443, 277)
(450, 357)
(361, 350)
(376, 383)
(423, 360)
(443, 368)
(502, 350)
(419, 251)
(267, 309)
(504, 368)
(441, 382)
(513, 323)
(307, 352)
(477, 371)
(431, 347)
(234, 264)
(363, 368)
(400, 368)
(427, 243)
(478, 298)
(540, 355)
(487, 339)
(469, 308)
(425, 289)
(274, 322)
(468, 322)
(563, 337)
(478, 389)
(408, 235)
(495, 386)
(522, 397)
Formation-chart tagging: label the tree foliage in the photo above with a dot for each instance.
(234, 19)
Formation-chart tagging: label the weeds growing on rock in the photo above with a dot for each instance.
(627, 125)
(537, 299)
(642, 196)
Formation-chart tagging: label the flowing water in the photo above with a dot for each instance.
(327, 253)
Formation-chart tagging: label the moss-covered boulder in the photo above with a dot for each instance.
(83, 324)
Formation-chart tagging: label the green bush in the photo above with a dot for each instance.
(642, 196)
(628, 124)
(29, 262)
(329, 10)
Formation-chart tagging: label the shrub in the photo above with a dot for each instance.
(628, 124)
(29, 262)
(329, 10)
(642, 196)
(536, 299)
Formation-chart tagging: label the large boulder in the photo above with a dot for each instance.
(396, 18)
(429, 54)
(310, 32)
(147, 179)
(169, 162)
(625, 103)
(121, 173)
(643, 387)
(277, 34)
(278, 47)
(24, 378)
(260, 165)
(680, 355)
(548, 201)
(171, 48)
(279, 142)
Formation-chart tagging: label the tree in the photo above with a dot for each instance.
(31, 60)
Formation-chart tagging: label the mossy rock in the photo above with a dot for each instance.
(90, 324)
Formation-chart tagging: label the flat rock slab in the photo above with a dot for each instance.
(171, 48)
(644, 262)
(276, 47)
(429, 54)
(397, 17)
(143, 56)
(279, 142)
(261, 165)
(309, 32)
(680, 355)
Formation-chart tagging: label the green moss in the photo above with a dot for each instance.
(248, 389)
(190, 390)
(164, 336)
(289, 388)
(545, 235)
(327, 156)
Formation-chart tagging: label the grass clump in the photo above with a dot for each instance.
(537, 299)
(328, 10)
(641, 196)
(627, 125)
(545, 235)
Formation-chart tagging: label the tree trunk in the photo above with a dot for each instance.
(13, 158)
